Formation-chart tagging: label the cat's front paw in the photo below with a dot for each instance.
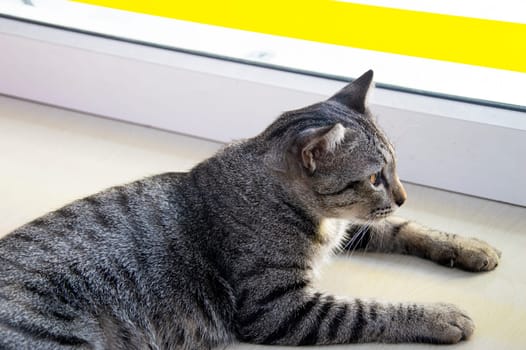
(476, 255)
(445, 324)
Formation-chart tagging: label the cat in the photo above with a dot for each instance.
(229, 249)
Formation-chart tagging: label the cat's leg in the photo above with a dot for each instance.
(290, 315)
(396, 235)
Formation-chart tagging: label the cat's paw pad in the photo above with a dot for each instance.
(448, 324)
(476, 255)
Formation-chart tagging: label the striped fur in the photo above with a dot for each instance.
(229, 250)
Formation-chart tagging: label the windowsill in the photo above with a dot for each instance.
(452, 145)
(54, 156)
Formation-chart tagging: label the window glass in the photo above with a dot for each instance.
(471, 50)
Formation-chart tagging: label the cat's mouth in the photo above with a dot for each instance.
(381, 213)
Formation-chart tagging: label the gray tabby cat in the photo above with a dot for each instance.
(228, 250)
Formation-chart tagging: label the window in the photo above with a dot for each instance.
(473, 49)
(224, 70)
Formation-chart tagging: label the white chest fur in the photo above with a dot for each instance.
(330, 233)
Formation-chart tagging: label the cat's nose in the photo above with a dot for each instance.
(400, 200)
(399, 194)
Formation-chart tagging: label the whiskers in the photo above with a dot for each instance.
(356, 239)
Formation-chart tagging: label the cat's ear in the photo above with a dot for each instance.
(355, 94)
(317, 144)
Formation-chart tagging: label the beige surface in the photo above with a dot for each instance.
(49, 157)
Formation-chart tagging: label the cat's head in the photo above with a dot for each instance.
(334, 157)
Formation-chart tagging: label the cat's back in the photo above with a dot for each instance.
(136, 226)
(109, 218)
(105, 262)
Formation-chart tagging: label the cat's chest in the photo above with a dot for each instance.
(331, 232)
(330, 235)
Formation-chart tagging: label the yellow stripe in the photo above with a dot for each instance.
(466, 40)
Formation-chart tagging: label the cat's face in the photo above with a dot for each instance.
(357, 180)
(340, 163)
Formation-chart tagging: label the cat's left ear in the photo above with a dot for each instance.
(355, 94)
(317, 144)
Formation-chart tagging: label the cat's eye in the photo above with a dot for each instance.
(376, 179)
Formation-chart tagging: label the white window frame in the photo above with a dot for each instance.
(457, 146)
